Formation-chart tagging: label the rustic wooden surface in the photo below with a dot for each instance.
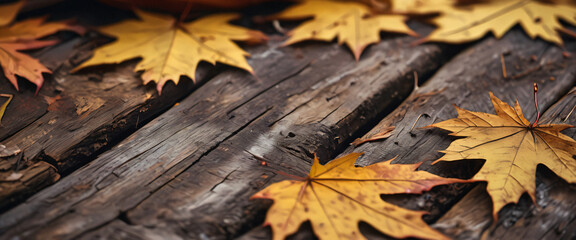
(125, 163)
(76, 115)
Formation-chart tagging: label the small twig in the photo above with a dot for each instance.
(383, 134)
(415, 81)
(503, 66)
(522, 74)
(417, 119)
(278, 27)
(570, 113)
(567, 32)
(185, 12)
(536, 104)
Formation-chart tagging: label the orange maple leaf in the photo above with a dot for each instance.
(22, 36)
(336, 196)
(512, 148)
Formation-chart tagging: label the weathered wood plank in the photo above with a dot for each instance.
(191, 165)
(75, 116)
(465, 82)
(471, 218)
(122, 231)
(85, 117)
(551, 70)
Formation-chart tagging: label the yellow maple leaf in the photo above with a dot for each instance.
(4, 105)
(512, 148)
(460, 23)
(420, 6)
(8, 12)
(170, 49)
(22, 36)
(353, 24)
(336, 196)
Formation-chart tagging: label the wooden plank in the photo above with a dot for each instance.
(191, 165)
(120, 230)
(465, 82)
(551, 71)
(554, 216)
(75, 116)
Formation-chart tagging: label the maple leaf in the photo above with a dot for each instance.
(170, 49)
(4, 105)
(512, 148)
(9, 11)
(15, 63)
(351, 22)
(419, 6)
(22, 36)
(336, 196)
(460, 23)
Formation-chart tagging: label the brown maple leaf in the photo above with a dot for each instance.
(353, 23)
(22, 36)
(512, 148)
(336, 196)
(170, 49)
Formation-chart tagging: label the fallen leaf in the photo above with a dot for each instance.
(22, 36)
(382, 134)
(170, 49)
(32, 29)
(419, 6)
(336, 196)
(353, 24)
(15, 63)
(8, 12)
(512, 148)
(459, 23)
(4, 105)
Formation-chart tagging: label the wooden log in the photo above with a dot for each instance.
(195, 165)
(553, 216)
(465, 82)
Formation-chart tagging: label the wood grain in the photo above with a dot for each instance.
(193, 165)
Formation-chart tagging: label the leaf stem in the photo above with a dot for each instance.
(536, 104)
(185, 12)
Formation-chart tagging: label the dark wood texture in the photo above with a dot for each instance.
(76, 116)
(465, 82)
(200, 151)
